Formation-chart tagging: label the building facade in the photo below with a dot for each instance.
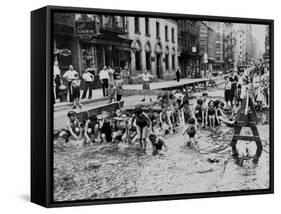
(207, 47)
(266, 55)
(219, 49)
(241, 47)
(91, 42)
(188, 48)
(154, 47)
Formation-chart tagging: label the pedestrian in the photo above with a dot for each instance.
(88, 78)
(75, 87)
(178, 74)
(256, 84)
(57, 78)
(146, 78)
(265, 81)
(104, 78)
(111, 83)
(69, 76)
(111, 77)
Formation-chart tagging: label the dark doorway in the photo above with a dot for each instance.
(158, 66)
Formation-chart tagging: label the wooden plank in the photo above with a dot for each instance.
(110, 107)
(246, 124)
(247, 138)
(127, 92)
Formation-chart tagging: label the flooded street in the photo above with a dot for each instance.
(122, 170)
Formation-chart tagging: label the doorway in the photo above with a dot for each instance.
(158, 66)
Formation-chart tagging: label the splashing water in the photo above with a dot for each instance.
(123, 170)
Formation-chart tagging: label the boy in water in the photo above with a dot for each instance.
(92, 130)
(198, 111)
(73, 129)
(157, 144)
(204, 108)
(211, 115)
(191, 131)
(105, 128)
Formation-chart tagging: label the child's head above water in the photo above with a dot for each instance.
(191, 121)
(93, 117)
(72, 115)
(152, 137)
(200, 102)
(138, 110)
(211, 104)
(205, 96)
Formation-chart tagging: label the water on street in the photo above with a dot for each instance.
(122, 170)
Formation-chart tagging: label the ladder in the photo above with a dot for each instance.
(247, 117)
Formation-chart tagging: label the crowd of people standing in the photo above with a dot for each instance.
(71, 81)
(253, 80)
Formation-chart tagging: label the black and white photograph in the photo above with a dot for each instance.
(154, 106)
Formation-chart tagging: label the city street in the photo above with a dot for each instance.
(211, 135)
(122, 170)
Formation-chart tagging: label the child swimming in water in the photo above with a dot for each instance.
(92, 130)
(143, 124)
(211, 114)
(204, 108)
(157, 144)
(191, 131)
(198, 111)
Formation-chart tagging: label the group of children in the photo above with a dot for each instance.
(144, 127)
(119, 127)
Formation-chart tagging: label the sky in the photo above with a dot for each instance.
(259, 33)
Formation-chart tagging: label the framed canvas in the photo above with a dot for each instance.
(132, 106)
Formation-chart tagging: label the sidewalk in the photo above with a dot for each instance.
(98, 96)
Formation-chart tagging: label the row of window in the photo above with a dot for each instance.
(187, 43)
(147, 29)
(148, 61)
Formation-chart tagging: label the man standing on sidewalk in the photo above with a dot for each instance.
(104, 77)
(178, 74)
(88, 78)
(146, 77)
(57, 79)
(111, 82)
(69, 76)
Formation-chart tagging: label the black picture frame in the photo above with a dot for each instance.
(42, 109)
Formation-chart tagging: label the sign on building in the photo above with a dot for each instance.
(205, 58)
(85, 27)
(194, 49)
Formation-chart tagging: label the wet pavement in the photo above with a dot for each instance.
(122, 170)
